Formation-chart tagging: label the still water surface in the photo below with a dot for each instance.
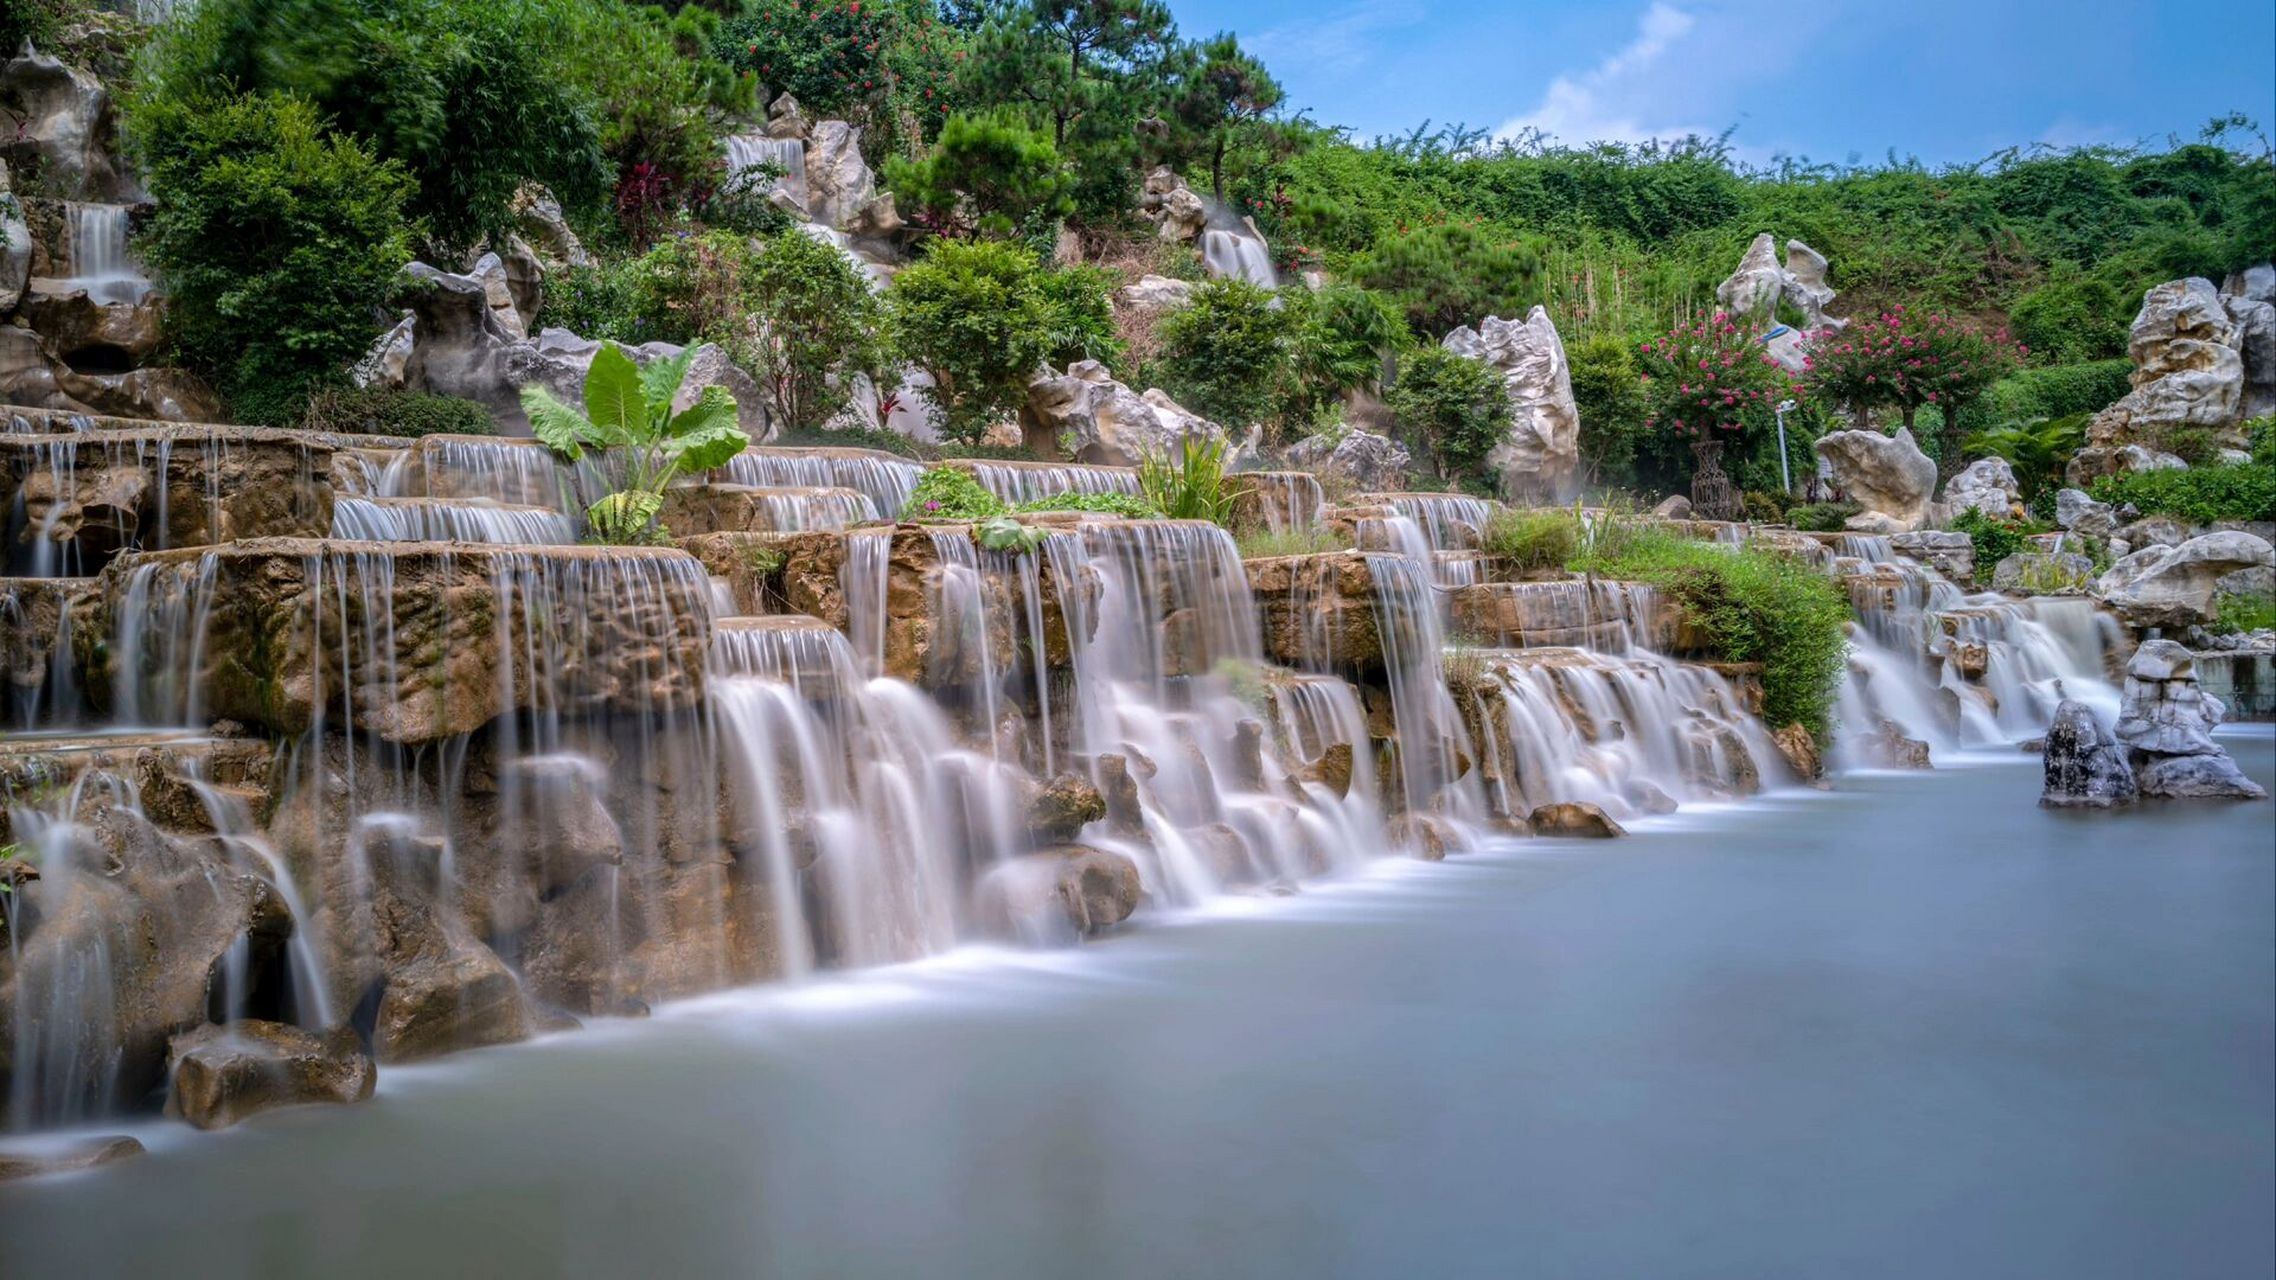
(1917, 1027)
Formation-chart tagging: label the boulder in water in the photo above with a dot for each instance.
(1540, 457)
(2085, 766)
(40, 1156)
(2168, 722)
(1801, 751)
(1425, 836)
(1058, 895)
(1061, 809)
(2161, 586)
(222, 1074)
(1574, 818)
(1887, 747)
(442, 989)
(2214, 777)
(1332, 769)
(1887, 475)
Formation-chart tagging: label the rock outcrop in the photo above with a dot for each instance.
(1539, 460)
(2078, 512)
(2167, 722)
(1753, 292)
(1987, 485)
(1887, 475)
(838, 181)
(2188, 374)
(1087, 416)
(2085, 767)
(64, 130)
(1172, 206)
(2174, 586)
(2250, 297)
(1057, 896)
(1363, 460)
(223, 1074)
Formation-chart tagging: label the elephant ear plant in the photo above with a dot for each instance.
(628, 417)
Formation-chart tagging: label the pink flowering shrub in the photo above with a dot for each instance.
(1904, 360)
(1709, 380)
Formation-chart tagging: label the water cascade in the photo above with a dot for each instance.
(748, 151)
(99, 260)
(1017, 482)
(886, 479)
(1237, 255)
(449, 520)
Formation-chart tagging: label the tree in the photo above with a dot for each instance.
(1610, 398)
(1225, 353)
(813, 315)
(1450, 408)
(1904, 360)
(272, 239)
(1709, 380)
(1451, 274)
(973, 315)
(989, 176)
(1224, 92)
(1340, 337)
(1089, 70)
(628, 412)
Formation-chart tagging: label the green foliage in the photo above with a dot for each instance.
(1995, 540)
(628, 414)
(1188, 482)
(1339, 338)
(2260, 439)
(2057, 391)
(2073, 318)
(1452, 274)
(1822, 517)
(1002, 533)
(1531, 541)
(1223, 94)
(985, 176)
(946, 493)
(1451, 409)
(977, 317)
(810, 316)
(1110, 504)
(1264, 544)
(389, 411)
(1765, 506)
(1711, 380)
(1753, 605)
(1608, 391)
(1078, 310)
(2199, 495)
(272, 239)
(1223, 354)
(1904, 360)
(2237, 612)
(1084, 72)
(2035, 450)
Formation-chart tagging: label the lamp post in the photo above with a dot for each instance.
(1785, 470)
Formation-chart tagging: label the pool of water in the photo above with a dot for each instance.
(1915, 1027)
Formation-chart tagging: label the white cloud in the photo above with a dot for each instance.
(1614, 101)
(1342, 43)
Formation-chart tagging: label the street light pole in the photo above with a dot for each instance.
(1785, 470)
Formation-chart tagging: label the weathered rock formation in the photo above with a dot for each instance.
(2167, 722)
(2085, 766)
(2250, 297)
(1540, 458)
(1753, 292)
(65, 130)
(2188, 374)
(222, 1074)
(1172, 206)
(1987, 485)
(1086, 415)
(1887, 475)
(2174, 586)
(1359, 459)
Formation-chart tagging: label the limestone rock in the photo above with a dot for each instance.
(1752, 293)
(838, 180)
(1062, 808)
(443, 990)
(1368, 462)
(1574, 818)
(2214, 777)
(2161, 586)
(15, 248)
(75, 325)
(547, 228)
(2188, 373)
(1806, 286)
(48, 1156)
(1951, 554)
(1088, 416)
(1886, 475)
(1677, 507)
(2084, 766)
(1801, 751)
(388, 361)
(1159, 292)
(1173, 206)
(63, 127)
(2043, 573)
(1887, 747)
(223, 1074)
(1057, 896)
(1424, 836)
(1986, 485)
(2078, 512)
(1539, 459)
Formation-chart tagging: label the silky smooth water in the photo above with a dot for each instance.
(1914, 1027)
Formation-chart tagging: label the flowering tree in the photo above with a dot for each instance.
(1904, 360)
(1710, 380)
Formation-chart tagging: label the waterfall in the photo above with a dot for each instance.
(1018, 482)
(886, 479)
(1232, 255)
(448, 520)
(99, 262)
(749, 150)
(799, 509)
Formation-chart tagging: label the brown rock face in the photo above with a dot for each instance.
(1318, 610)
(1887, 747)
(415, 642)
(1058, 895)
(223, 1074)
(1608, 616)
(1061, 810)
(1801, 751)
(1575, 819)
(443, 990)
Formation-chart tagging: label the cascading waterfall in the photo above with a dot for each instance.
(99, 260)
(1017, 482)
(801, 509)
(1235, 255)
(449, 520)
(886, 480)
(748, 151)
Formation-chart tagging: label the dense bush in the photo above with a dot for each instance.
(1452, 274)
(946, 493)
(1995, 539)
(272, 238)
(389, 411)
(2035, 450)
(2199, 495)
(1822, 517)
(2052, 392)
(1610, 396)
(2238, 611)
(977, 317)
(1753, 606)
(812, 322)
(1339, 338)
(1905, 360)
(1451, 410)
(1531, 541)
(1224, 353)
(985, 176)
(1111, 504)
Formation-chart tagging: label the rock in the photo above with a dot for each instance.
(1649, 799)
(2164, 712)
(1060, 810)
(1156, 292)
(1539, 459)
(1424, 836)
(1677, 507)
(1806, 286)
(1874, 523)
(2256, 344)
(1574, 819)
(2188, 373)
(1086, 415)
(62, 128)
(1887, 475)
(1119, 785)
(1752, 293)
(2085, 767)
(1986, 485)
(2043, 573)
(442, 990)
(1951, 554)
(2161, 586)
(786, 118)
(2195, 777)
(1801, 751)
(40, 1156)
(15, 248)
(1367, 461)
(547, 228)
(1317, 611)
(387, 362)
(223, 1074)
(1331, 770)
(1058, 895)
(1887, 747)
(2076, 511)
(1179, 213)
(838, 181)
(79, 329)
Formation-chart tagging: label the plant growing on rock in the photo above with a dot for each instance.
(1451, 409)
(1904, 360)
(986, 176)
(949, 493)
(813, 321)
(974, 315)
(628, 415)
(1224, 353)
(1187, 482)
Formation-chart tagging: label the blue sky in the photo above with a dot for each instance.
(1946, 80)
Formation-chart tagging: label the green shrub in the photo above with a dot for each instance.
(1753, 606)
(1531, 541)
(2055, 393)
(1452, 274)
(1339, 337)
(272, 238)
(1995, 540)
(1451, 410)
(1264, 544)
(1224, 353)
(2260, 439)
(390, 411)
(985, 176)
(1822, 517)
(810, 321)
(1111, 504)
(628, 414)
(2237, 611)
(975, 316)
(945, 493)
(2035, 450)
(1078, 310)
(1610, 398)
(2199, 495)
(1188, 481)
(1766, 506)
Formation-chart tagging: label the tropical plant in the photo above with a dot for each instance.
(1187, 481)
(950, 493)
(1451, 409)
(2035, 450)
(628, 416)
(985, 176)
(1004, 533)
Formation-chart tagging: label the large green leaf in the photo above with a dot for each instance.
(613, 397)
(624, 515)
(661, 380)
(707, 435)
(558, 426)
